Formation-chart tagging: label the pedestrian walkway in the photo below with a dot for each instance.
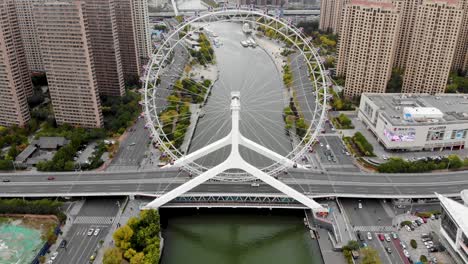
(375, 228)
(97, 220)
(326, 247)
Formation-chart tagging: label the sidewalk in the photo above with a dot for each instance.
(71, 213)
(130, 210)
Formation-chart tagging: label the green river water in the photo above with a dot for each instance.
(238, 237)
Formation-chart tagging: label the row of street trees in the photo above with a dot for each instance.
(398, 165)
(136, 242)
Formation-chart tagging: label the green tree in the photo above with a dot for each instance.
(396, 81)
(454, 161)
(370, 256)
(138, 258)
(413, 243)
(112, 256)
(122, 237)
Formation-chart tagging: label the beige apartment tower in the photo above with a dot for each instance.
(435, 34)
(331, 15)
(367, 46)
(27, 26)
(407, 10)
(102, 26)
(127, 39)
(141, 29)
(461, 50)
(15, 83)
(65, 41)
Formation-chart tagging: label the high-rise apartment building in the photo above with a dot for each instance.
(435, 34)
(15, 83)
(131, 64)
(407, 10)
(27, 26)
(461, 49)
(367, 45)
(141, 29)
(65, 40)
(331, 15)
(102, 26)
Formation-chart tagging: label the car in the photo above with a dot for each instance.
(63, 243)
(360, 205)
(347, 153)
(433, 217)
(424, 220)
(6, 180)
(408, 228)
(132, 144)
(394, 235)
(387, 237)
(321, 144)
(359, 236)
(425, 239)
(54, 255)
(96, 232)
(50, 178)
(406, 253)
(255, 184)
(364, 245)
(403, 245)
(436, 216)
(381, 237)
(369, 235)
(90, 231)
(389, 250)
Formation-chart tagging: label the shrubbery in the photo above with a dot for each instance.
(43, 207)
(398, 165)
(413, 243)
(137, 241)
(363, 145)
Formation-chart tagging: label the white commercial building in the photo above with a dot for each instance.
(416, 122)
(454, 226)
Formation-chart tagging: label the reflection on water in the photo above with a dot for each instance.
(238, 238)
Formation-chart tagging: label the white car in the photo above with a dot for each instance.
(406, 253)
(360, 205)
(96, 232)
(408, 228)
(387, 237)
(255, 184)
(90, 231)
(54, 256)
(369, 235)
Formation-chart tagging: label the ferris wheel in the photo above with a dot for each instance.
(207, 65)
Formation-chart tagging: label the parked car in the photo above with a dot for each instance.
(359, 236)
(408, 228)
(369, 235)
(406, 253)
(403, 245)
(96, 232)
(255, 184)
(394, 235)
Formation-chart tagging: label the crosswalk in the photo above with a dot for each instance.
(93, 220)
(375, 228)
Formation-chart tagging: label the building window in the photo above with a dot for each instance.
(449, 225)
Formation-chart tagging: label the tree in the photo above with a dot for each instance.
(138, 258)
(122, 237)
(454, 161)
(413, 243)
(370, 256)
(112, 256)
(396, 81)
(352, 245)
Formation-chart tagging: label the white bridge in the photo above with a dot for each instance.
(235, 161)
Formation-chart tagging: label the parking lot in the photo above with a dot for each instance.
(429, 231)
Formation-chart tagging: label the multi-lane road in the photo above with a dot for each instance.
(313, 183)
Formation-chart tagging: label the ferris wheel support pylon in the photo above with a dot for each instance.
(235, 161)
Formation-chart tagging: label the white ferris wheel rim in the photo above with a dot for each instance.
(232, 15)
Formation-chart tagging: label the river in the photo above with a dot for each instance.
(252, 72)
(234, 236)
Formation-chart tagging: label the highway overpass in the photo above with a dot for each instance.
(156, 182)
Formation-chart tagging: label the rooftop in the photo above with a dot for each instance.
(453, 108)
